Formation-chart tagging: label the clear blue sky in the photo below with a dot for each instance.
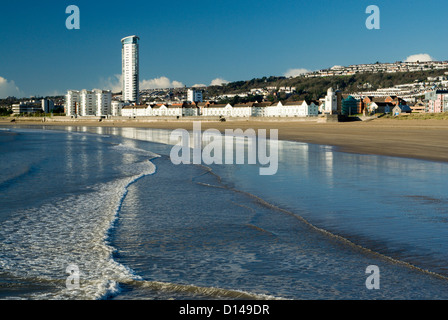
(197, 41)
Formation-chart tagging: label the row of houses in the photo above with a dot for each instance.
(435, 101)
(252, 109)
(399, 66)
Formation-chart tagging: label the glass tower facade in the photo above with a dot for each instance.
(130, 68)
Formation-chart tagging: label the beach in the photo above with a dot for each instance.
(102, 202)
(418, 139)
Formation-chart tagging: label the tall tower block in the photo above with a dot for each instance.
(130, 69)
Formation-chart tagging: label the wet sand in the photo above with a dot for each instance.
(419, 139)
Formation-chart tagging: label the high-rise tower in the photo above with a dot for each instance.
(130, 68)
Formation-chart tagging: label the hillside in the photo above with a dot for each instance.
(315, 88)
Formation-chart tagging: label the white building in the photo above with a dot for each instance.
(116, 107)
(103, 102)
(132, 111)
(87, 106)
(298, 109)
(251, 109)
(47, 105)
(130, 68)
(190, 110)
(72, 101)
(194, 95)
(331, 102)
(88, 103)
(242, 110)
(213, 110)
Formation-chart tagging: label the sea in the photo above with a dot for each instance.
(103, 213)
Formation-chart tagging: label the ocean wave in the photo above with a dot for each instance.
(192, 290)
(123, 148)
(17, 174)
(39, 243)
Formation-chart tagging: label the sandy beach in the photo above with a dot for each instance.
(419, 139)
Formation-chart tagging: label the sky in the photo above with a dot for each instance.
(198, 42)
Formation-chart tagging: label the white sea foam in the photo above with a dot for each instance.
(125, 148)
(41, 242)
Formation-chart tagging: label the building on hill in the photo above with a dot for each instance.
(194, 95)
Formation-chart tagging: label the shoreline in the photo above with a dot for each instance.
(416, 139)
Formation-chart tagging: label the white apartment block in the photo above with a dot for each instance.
(88, 103)
(130, 69)
(194, 95)
(103, 102)
(47, 105)
(116, 107)
(87, 106)
(72, 101)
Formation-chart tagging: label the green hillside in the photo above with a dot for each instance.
(315, 88)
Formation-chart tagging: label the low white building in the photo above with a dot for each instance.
(175, 110)
(299, 109)
(242, 110)
(190, 110)
(217, 110)
(133, 111)
(252, 109)
(259, 109)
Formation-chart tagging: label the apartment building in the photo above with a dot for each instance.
(88, 103)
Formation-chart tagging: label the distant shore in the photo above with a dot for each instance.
(418, 139)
